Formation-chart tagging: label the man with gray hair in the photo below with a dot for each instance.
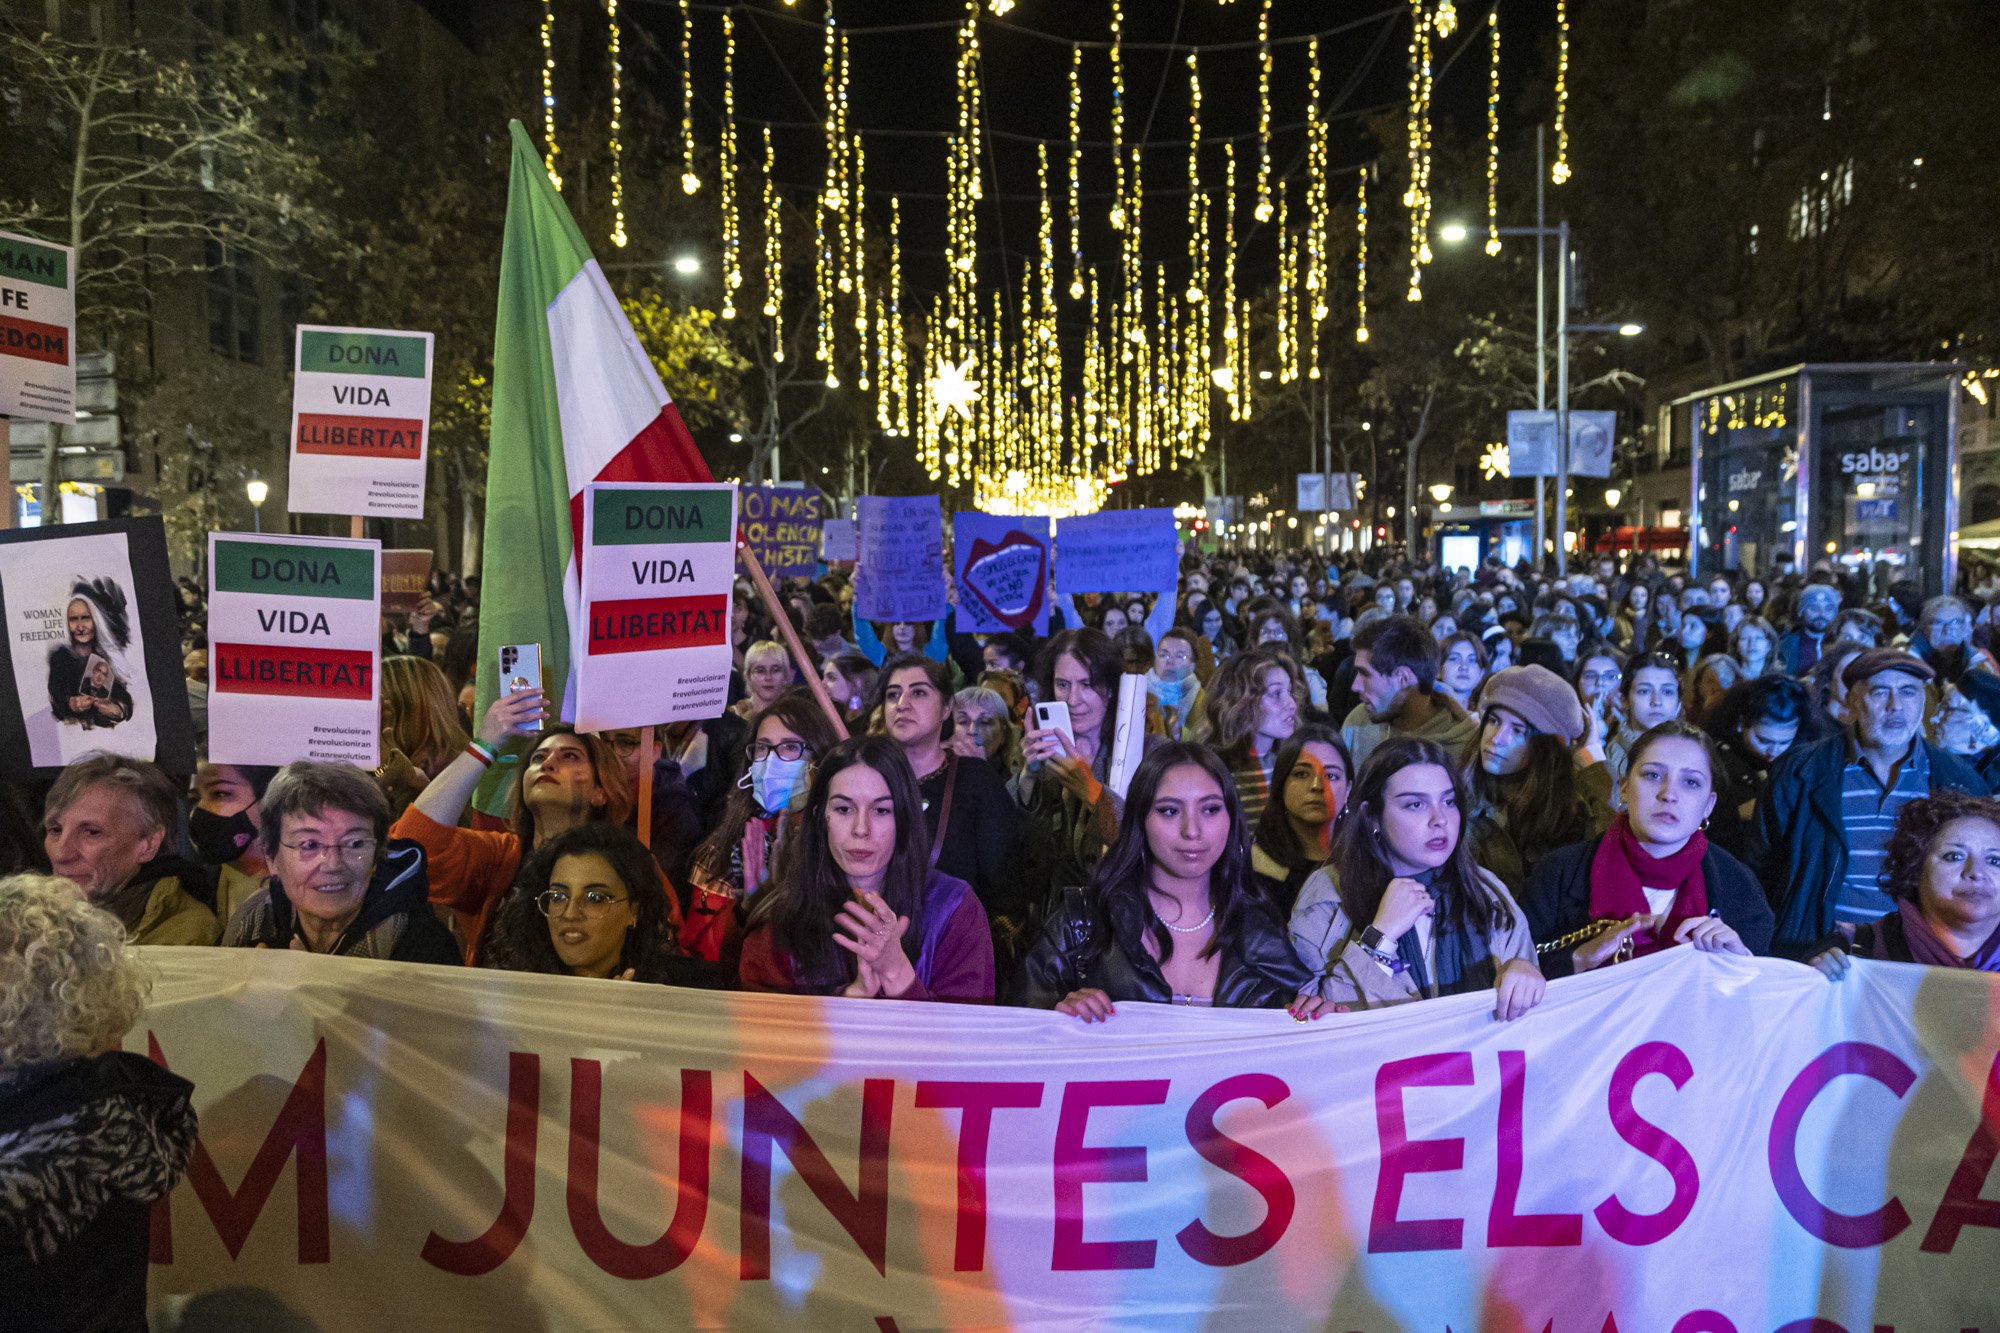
(1818, 604)
(112, 825)
(1944, 635)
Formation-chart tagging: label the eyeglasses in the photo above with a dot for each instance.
(553, 901)
(789, 751)
(311, 849)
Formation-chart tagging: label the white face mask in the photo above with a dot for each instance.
(774, 781)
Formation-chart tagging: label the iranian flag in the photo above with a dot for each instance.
(575, 400)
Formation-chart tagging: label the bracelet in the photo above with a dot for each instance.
(481, 751)
(1390, 961)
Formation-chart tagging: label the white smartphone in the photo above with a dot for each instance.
(1054, 717)
(521, 669)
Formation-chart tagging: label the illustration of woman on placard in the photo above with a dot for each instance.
(87, 673)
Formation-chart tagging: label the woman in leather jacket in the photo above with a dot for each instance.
(1172, 914)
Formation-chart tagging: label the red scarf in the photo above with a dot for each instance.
(1622, 870)
(1930, 948)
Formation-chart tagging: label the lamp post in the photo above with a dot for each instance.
(258, 490)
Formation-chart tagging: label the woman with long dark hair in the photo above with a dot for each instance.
(1169, 916)
(1072, 815)
(1528, 796)
(1403, 912)
(856, 908)
(589, 903)
(1310, 779)
(1653, 880)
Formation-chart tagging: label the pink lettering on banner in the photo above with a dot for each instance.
(978, 1101)
(620, 1258)
(484, 1253)
(862, 1212)
(1505, 1226)
(1962, 1205)
(1851, 1231)
(1619, 1222)
(1254, 1169)
(1403, 1157)
(1077, 1166)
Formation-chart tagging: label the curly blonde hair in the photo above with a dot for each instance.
(67, 985)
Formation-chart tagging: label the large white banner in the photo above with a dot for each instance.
(1688, 1143)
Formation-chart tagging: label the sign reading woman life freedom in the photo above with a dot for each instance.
(361, 422)
(93, 648)
(294, 648)
(37, 329)
(658, 564)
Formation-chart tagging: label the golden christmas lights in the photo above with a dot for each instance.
(729, 194)
(1361, 257)
(549, 91)
(1118, 113)
(1319, 212)
(618, 236)
(1263, 210)
(1075, 174)
(1560, 171)
(690, 182)
(774, 255)
(1493, 132)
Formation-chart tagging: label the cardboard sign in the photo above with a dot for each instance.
(361, 422)
(1002, 569)
(406, 578)
(899, 574)
(659, 562)
(837, 541)
(294, 649)
(37, 330)
(1118, 550)
(93, 657)
(781, 526)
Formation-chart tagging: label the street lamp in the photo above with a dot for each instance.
(1453, 233)
(1441, 491)
(1612, 495)
(258, 490)
(687, 266)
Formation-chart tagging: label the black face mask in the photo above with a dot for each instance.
(220, 839)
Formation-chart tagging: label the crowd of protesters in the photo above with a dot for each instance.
(1361, 783)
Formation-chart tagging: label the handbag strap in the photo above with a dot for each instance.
(944, 806)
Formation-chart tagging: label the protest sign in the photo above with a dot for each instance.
(1591, 436)
(837, 541)
(899, 559)
(1002, 569)
(361, 422)
(406, 577)
(1688, 1141)
(93, 656)
(37, 330)
(294, 649)
(1118, 550)
(659, 562)
(781, 528)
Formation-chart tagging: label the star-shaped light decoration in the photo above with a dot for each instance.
(953, 388)
(1494, 462)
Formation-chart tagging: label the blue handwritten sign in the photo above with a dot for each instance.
(1002, 569)
(780, 525)
(899, 569)
(1118, 550)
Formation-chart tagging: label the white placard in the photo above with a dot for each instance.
(37, 329)
(361, 421)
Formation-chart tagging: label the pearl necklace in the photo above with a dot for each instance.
(1195, 929)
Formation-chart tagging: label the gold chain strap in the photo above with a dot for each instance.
(1586, 932)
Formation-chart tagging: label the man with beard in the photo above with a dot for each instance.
(1819, 603)
(1823, 823)
(1395, 674)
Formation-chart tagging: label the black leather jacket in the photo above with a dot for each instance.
(1093, 943)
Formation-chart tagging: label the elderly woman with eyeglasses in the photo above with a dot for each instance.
(589, 903)
(339, 885)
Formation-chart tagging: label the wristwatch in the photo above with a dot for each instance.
(1370, 939)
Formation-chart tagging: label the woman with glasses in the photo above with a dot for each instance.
(767, 673)
(857, 909)
(736, 860)
(590, 904)
(339, 884)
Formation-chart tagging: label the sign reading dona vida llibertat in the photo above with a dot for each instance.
(361, 422)
(37, 329)
(658, 564)
(294, 633)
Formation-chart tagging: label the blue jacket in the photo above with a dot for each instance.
(1798, 845)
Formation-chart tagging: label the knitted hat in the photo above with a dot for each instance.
(1540, 698)
(1874, 661)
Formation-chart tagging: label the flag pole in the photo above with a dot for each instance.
(784, 623)
(648, 752)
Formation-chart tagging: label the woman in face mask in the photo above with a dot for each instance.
(858, 910)
(850, 680)
(737, 859)
(971, 824)
(1172, 681)
(222, 826)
